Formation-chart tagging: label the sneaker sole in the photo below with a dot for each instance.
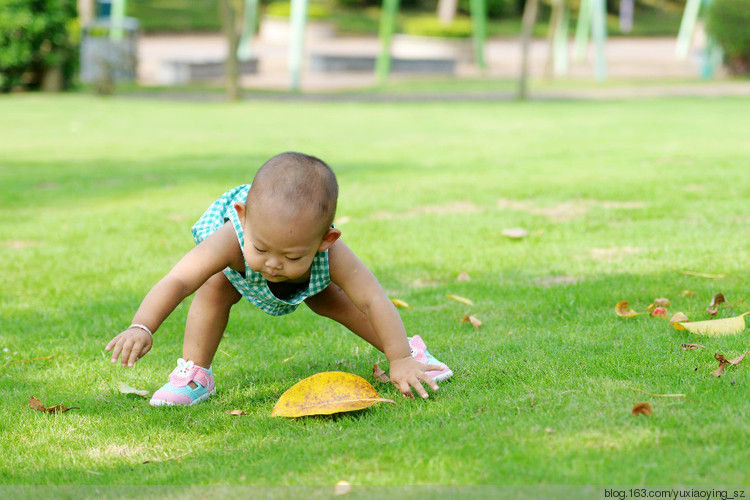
(444, 376)
(161, 402)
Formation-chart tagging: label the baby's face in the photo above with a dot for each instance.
(280, 248)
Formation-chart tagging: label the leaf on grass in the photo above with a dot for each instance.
(126, 389)
(460, 299)
(471, 319)
(236, 413)
(659, 312)
(515, 233)
(703, 275)
(326, 393)
(644, 409)
(661, 302)
(400, 303)
(713, 307)
(687, 293)
(623, 310)
(723, 362)
(677, 317)
(342, 488)
(463, 276)
(692, 347)
(379, 375)
(36, 404)
(714, 327)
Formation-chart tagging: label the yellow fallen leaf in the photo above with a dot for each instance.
(687, 293)
(677, 317)
(703, 275)
(126, 389)
(623, 310)
(400, 303)
(714, 327)
(326, 393)
(460, 299)
(342, 488)
(471, 319)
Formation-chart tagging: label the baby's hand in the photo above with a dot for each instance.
(133, 344)
(408, 372)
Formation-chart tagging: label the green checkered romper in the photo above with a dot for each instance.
(253, 286)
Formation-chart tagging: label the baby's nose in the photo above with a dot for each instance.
(273, 263)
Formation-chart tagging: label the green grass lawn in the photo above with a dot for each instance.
(620, 198)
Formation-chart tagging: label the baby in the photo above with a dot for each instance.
(273, 243)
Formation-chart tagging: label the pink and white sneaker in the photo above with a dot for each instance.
(419, 352)
(178, 391)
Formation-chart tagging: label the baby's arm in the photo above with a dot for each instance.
(349, 273)
(212, 255)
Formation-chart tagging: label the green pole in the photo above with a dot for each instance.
(244, 50)
(599, 37)
(583, 28)
(387, 26)
(561, 42)
(296, 43)
(687, 26)
(116, 19)
(479, 25)
(713, 55)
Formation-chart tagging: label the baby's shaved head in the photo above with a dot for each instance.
(299, 183)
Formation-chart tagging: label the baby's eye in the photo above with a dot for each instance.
(258, 249)
(294, 258)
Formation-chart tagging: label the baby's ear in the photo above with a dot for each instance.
(329, 239)
(240, 209)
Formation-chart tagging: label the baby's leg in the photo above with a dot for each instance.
(207, 319)
(335, 304)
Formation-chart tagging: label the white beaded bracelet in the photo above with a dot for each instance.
(142, 327)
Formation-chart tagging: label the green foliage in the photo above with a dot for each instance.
(431, 26)
(283, 9)
(729, 23)
(35, 37)
(175, 15)
(495, 8)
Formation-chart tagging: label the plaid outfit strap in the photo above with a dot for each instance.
(253, 286)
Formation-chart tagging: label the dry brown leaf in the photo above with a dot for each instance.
(713, 307)
(678, 317)
(463, 276)
(471, 319)
(460, 299)
(515, 233)
(644, 409)
(236, 413)
(36, 404)
(623, 310)
(722, 365)
(379, 375)
(400, 303)
(692, 347)
(126, 389)
(687, 293)
(661, 302)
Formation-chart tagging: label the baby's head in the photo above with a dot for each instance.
(288, 215)
(299, 185)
